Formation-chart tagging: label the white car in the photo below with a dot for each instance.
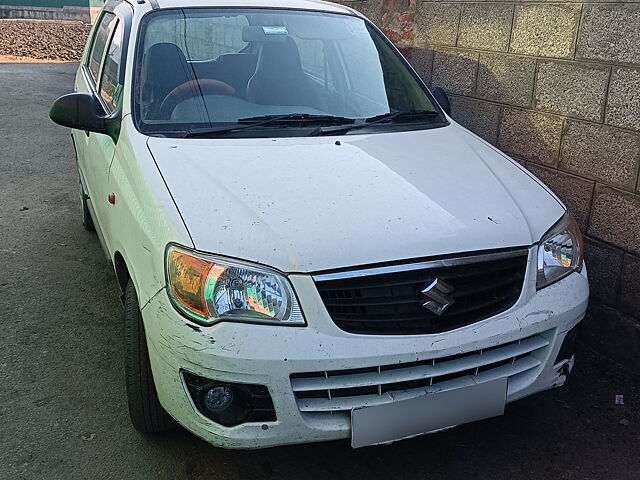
(309, 248)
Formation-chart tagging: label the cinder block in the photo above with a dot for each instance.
(604, 265)
(603, 153)
(615, 218)
(545, 30)
(480, 117)
(506, 78)
(437, 23)
(455, 71)
(486, 26)
(530, 136)
(372, 9)
(623, 104)
(573, 89)
(575, 192)
(630, 288)
(610, 33)
(421, 59)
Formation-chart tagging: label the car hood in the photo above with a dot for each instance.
(312, 204)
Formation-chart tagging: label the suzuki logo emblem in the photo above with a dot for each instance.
(437, 292)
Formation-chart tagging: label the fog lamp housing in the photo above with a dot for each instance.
(229, 404)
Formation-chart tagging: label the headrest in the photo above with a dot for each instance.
(279, 60)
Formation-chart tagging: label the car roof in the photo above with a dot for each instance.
(292, 4)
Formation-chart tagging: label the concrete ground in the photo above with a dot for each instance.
(63, 412)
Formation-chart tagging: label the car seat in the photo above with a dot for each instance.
(165, 67)
(279, 78)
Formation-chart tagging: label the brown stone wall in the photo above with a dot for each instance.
(557, 87)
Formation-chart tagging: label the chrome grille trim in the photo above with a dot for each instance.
(445, 262)
(321, 391)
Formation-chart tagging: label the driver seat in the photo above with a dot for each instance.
(164, 68)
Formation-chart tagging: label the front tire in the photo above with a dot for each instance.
(147, 415)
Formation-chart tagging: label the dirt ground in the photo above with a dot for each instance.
(31, 41)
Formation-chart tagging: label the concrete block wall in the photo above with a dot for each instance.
(67, 13)
(556, 85)
(62, 10)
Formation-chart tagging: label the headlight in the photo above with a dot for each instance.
(210, 289)
(560, 252)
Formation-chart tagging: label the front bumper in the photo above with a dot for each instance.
(270, 355)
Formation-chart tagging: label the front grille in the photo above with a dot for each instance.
(389, 300)
(344, 390)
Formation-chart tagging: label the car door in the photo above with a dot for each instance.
(101, 78)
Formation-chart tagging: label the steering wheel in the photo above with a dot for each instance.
(207, 86)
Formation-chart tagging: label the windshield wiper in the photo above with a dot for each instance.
(385, 117)
(299, 117)
(257, 122)
(395, 115)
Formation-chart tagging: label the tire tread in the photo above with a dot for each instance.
(147, 415)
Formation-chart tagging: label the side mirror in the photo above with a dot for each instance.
(82, 111)
(443, 99)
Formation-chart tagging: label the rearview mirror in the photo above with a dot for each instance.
(443, 99)
(83, 111)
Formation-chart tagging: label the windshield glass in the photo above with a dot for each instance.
(202, 68)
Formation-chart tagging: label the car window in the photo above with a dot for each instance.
(398, 86)
(100, 39)
(316, 58)
(200, 37)
(110, 89)
(312, 57)
(198, 67)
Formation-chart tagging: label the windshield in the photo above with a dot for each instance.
(200, 69)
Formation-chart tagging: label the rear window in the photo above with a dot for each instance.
(201, 38)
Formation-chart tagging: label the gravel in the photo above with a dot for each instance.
(42, 40)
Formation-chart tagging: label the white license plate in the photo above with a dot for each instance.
(427, 413)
